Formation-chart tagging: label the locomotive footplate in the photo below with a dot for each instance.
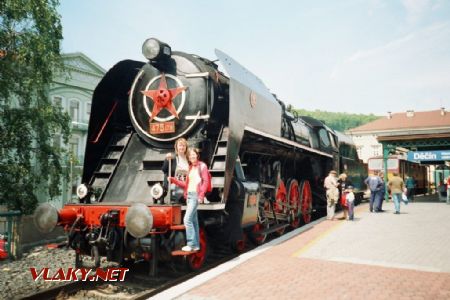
(209, 206)
(183, 253)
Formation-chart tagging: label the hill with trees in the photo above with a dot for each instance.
(338, 120)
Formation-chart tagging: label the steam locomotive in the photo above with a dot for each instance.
(267, 163)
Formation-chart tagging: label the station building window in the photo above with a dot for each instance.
(73, 146)
(88, 108)
(57, 101)
(74, 110)
(359, 151)
(376, 150)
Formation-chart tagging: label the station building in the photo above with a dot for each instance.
(421, 137)
(73, 92)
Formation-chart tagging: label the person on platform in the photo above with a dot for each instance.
(448, 189)
(332, 193)
(195, 188)
(381, 193)
(350, 199)
(374, 183)
(410, 188)
(396, 186)
(343, 184)
(179, 167)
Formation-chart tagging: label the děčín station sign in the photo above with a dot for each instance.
(429, 155)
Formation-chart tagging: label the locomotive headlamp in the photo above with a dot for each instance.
(82, 191)
(154, 49)
(139, 220)
(156, 191)
(45, 217)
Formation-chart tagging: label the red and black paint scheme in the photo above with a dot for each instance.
(267, 164)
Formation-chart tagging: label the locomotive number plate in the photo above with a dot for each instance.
(163, 127)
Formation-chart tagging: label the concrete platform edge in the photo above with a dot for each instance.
(200, 279)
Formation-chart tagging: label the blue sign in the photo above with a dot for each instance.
(429, 155)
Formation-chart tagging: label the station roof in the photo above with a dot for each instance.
(421, 120)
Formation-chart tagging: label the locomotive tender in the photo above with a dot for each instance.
(267, 164)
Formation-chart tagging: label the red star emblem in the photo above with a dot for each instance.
(163, 97)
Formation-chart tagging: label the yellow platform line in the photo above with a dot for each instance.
(314, 241)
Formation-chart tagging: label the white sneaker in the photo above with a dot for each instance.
(187, 249)
(196, 248)
(205, 201)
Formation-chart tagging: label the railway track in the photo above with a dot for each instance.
(138, 284)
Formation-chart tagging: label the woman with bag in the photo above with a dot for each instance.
(343, 184)
(195, 188)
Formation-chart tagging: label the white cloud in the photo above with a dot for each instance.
(416, 9)
(429, 39)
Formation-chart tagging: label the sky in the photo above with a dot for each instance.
(354, 56)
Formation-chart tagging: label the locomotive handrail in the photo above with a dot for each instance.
(286, 141)
(105, 123)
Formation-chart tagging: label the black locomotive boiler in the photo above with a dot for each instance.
(267, 164)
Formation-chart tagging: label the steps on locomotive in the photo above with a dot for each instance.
(183, 253)
(109, 161)
(217, 167)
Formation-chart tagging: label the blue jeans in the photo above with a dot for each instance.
(373, 201)
(191, 220)
(351, 206)
(397, 197)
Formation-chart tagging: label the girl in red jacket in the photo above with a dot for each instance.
(195, 187)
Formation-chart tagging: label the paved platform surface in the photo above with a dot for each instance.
(377, 256)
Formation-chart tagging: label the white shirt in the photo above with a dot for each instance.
(194, 179)
(350, 197)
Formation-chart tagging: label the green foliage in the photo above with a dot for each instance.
(337, 120)
(30, 35)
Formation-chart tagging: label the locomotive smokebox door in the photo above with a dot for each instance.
(251, 105)
(164, 106)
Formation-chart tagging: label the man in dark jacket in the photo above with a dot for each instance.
(375, 184)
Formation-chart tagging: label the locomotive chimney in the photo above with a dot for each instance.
(410, 113)
(442, 111)
(389, 115)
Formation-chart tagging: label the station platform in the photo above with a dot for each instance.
(376, 256)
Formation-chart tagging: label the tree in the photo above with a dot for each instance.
(30, 35)
(338, 120)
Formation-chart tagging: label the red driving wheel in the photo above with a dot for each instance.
(255, 236)
(294, 202)
(306, 200)
(280, 205)
(197, 259)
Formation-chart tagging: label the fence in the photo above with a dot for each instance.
(9, 233)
